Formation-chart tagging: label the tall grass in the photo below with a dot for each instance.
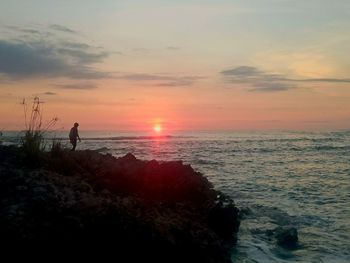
(33, 142)
(56, 148)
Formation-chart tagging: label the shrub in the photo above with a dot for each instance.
(33, 142)
(56, 147)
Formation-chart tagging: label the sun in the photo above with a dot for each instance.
(157, 128)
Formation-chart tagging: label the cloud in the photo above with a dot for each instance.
(39, 57)
(161, 79)
(49, 93)
(76, 86)
(62, 29)
(81, 56)
(176, 83)
(27, 32)
(269, 82)
(77, 45)
(6, 95)
(141, 50)
(242, 71)
(24, 30)
(323, 80)
(173, 48)
(271, 87)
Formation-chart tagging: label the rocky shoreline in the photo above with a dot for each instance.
(165, 209)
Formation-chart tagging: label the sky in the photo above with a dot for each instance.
(179, 65)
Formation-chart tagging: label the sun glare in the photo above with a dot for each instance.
(157, 128)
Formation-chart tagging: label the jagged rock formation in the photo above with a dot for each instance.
(149, 210)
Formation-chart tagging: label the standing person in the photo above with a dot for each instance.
(74, 135)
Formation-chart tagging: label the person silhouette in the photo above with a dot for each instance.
(74, 135)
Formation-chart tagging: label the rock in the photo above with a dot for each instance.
(163, 211)
(245, 212)
(224, 220)
(287, 237)
(129, 157)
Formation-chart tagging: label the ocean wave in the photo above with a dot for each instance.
(102, 149)
(128, 138)
(281, 140)
(330, 148)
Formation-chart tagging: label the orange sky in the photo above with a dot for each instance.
(184, 65)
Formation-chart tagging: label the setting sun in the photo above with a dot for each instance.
(157, 128)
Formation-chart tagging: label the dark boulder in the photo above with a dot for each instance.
(286, 236)
(224, 220)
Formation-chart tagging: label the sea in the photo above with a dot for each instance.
(298, 179)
